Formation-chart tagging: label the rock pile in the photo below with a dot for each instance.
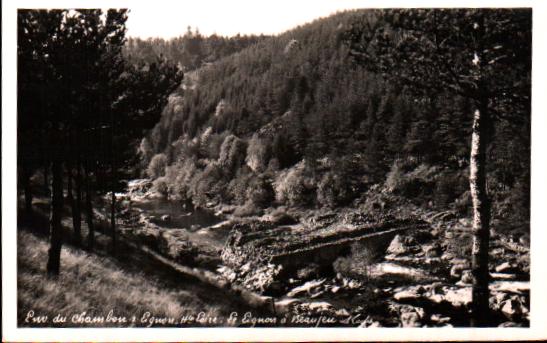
(319, 241)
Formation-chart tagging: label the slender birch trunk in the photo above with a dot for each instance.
(113, 184)
(113, 216)
(481, 218)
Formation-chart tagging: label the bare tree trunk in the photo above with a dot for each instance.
(89, 212)
(46, 179)
(76, 220)
(113, 217)
(55, 229)
(113, 184)
(77, 210)
(69, 194)
(481, 218)
(28, 191)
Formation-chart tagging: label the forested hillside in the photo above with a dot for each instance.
(189, 51)
(293, 119)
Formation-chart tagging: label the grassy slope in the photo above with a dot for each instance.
(96, 285)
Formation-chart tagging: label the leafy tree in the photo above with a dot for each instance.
(157, 165)
(480, 54)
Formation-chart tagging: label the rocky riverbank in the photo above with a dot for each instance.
(316, 264)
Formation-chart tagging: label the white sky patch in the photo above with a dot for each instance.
(228, 18)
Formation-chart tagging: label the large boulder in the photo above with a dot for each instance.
(397, 246)
(512, 308)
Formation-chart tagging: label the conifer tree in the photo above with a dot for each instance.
(480, 54)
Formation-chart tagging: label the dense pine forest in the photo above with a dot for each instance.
(372, 167)
(292, 118)
(190, 51)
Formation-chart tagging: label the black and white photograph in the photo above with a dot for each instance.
(291, 165)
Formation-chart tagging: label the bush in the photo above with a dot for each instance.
(185, 148)
(395, 177)
(417, 184)
(260, 192)
(145, 151)
(238, 186)
(356, 265)
(160, 185)
(257, 154)
(209, 144)
(185, 172)
(232, 153)
(448, 188)
(333, 190)
(247, 210)
(208, 185)
(295, 186)
(279, 216)
(156, 167)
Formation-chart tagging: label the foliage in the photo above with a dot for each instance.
(357, 263)
(295, 186)
(157, 166)
(190, 51)
(208, 185)
(257, 154)
(310, 102)
(334, 189)
(160, 186)
(260, 192)
(84, 108)
(232, 153)
(466, 52)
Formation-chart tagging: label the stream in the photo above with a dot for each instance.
(196, 225)
(179, 217)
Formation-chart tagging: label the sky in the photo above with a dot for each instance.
(169, 19)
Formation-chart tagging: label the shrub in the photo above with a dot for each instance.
(185, 172)
(295, 186)
(145, 151)
(257, 154)
(232, 153)
(238, 185)
(334, 189)
(279, 216)
(260, 192)
(185, 148)
(356, 265)
(395, 177)
(160, 185)
(448, 187)
(156, 167)
(209, 143)
(463, 203)
(417, 184)
(247, 210)
(208, 185)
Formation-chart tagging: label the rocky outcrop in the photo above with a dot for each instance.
(297, 246)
